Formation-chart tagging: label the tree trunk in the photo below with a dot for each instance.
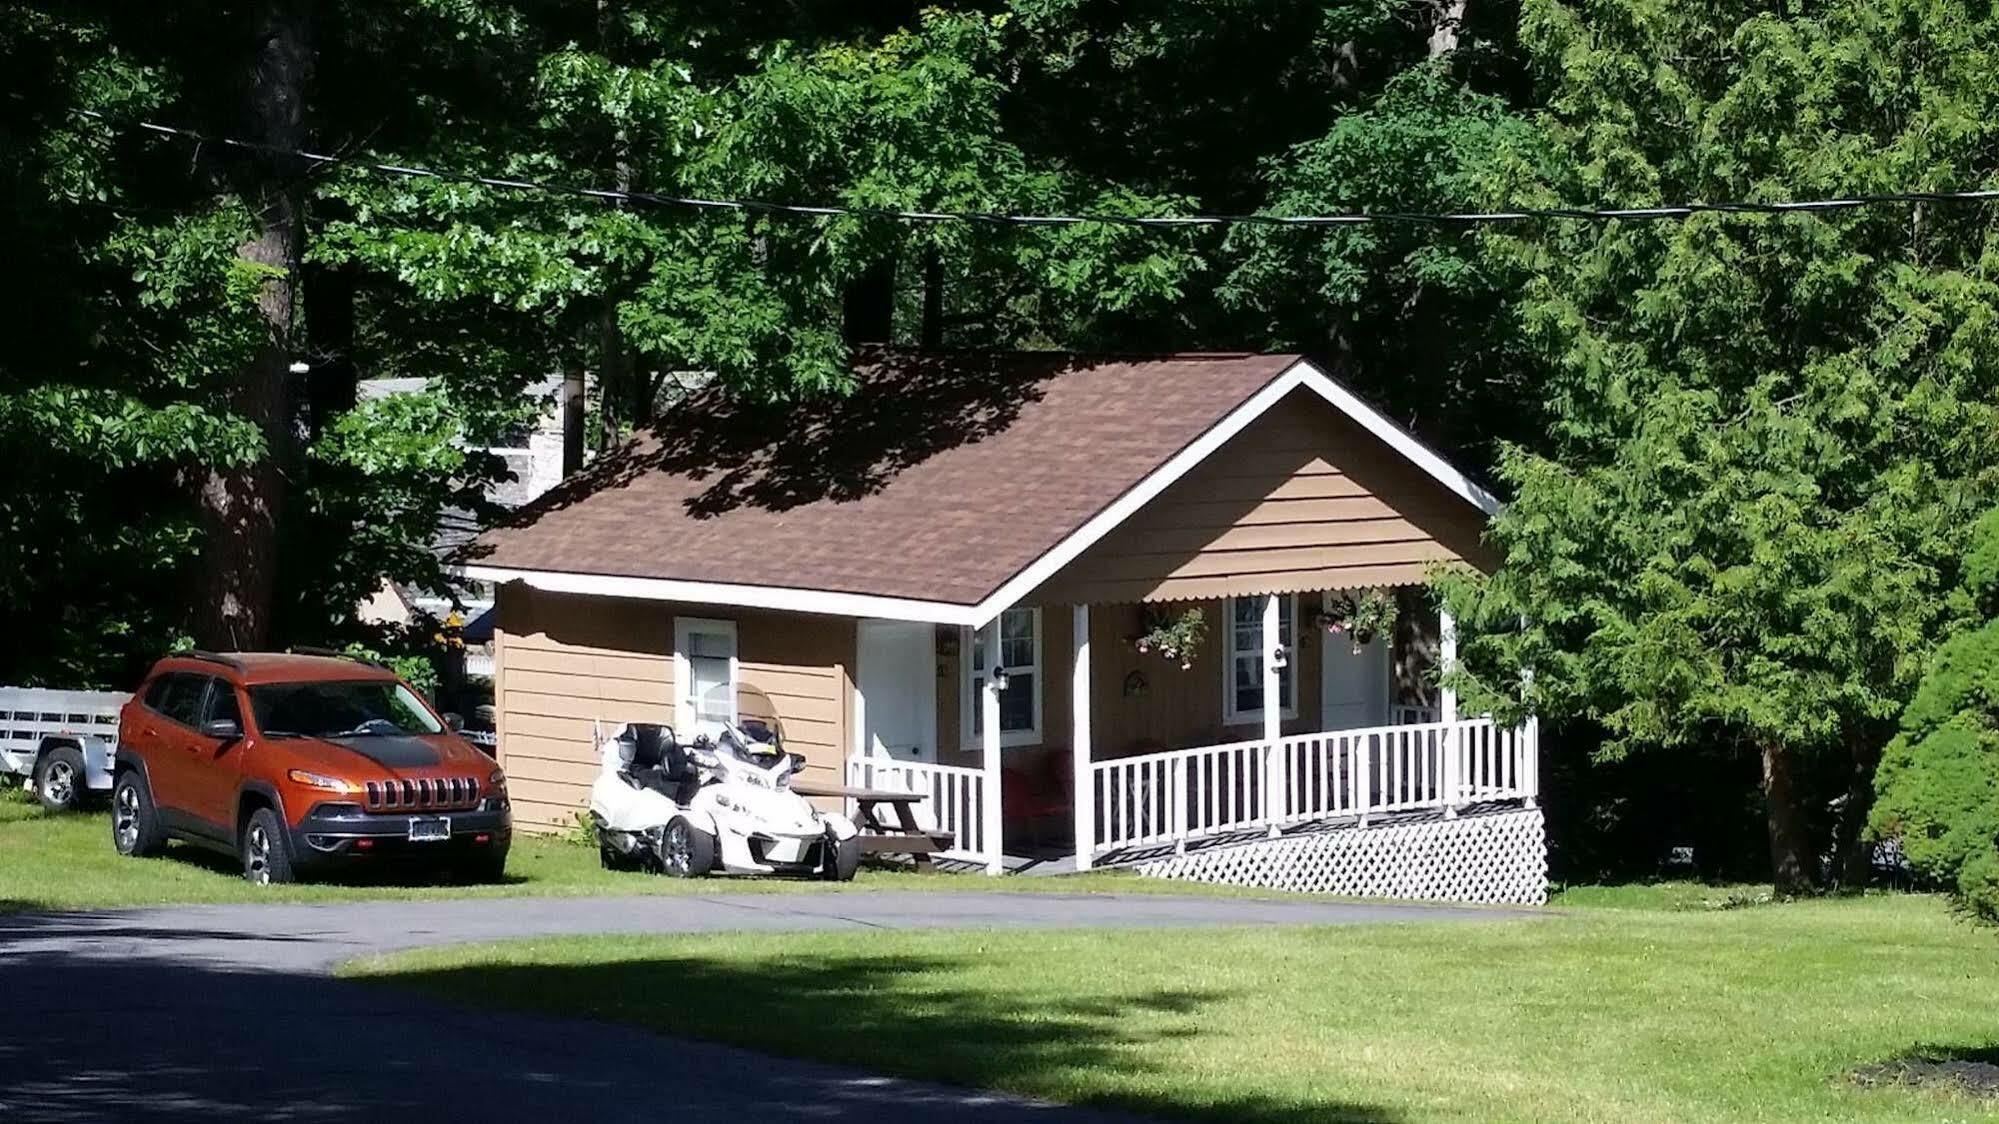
(1792, 866)
(329, 337)
(572, 420)
(240, 507)
(1853, 857)
(869, 308)
(1444, 33)
(933, 300)
(613, 372)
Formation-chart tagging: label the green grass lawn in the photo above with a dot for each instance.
(1624, 1014)
(66, 862)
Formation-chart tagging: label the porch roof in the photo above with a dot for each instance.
(944, 487)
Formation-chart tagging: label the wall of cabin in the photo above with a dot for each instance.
(563, 660)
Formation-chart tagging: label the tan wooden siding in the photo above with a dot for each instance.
(1173, 708)
(1302, 500)
(562, 660)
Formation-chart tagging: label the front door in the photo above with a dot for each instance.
(898, 680)
(217, 763)
(1354, 687)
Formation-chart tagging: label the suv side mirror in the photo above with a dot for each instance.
(224, 729)
(454, 722)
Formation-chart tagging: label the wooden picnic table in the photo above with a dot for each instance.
(903, 837)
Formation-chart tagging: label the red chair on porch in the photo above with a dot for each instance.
(1030, 794)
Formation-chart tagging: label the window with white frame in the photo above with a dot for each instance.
(1242, 694)
(705, 667)
(1020, 699)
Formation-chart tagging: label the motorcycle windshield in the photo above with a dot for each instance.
(750, 751)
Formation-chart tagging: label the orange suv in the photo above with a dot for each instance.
(298, 762)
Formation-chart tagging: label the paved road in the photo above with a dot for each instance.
(217, 1013)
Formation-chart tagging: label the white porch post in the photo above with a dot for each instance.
(989, 716)
(1447, 707)
(1530, 750)
(859, 771)
(1274, 771)
(1082, 785)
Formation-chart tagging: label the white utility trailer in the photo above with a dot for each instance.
(61, 744)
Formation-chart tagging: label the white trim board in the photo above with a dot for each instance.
(1301, 374)
(724, 593)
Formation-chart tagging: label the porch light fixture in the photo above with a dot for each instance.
(1280, 656)
(998, 679)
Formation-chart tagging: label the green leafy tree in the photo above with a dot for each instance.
(1419, 313)
(127, 306)
(1769, 432)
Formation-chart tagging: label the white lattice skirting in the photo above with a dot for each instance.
(1490, 857)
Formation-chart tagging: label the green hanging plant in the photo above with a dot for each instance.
(1360, 617)
(1175, 638)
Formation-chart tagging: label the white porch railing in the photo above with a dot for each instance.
(953, 798)
(1186, 794)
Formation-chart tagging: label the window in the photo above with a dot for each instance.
(1020, 702)
(222, 706)
(360, 708)
(706, 667)
(177, 696)
(1243, 692)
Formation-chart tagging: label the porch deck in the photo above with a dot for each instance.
(1140, 807)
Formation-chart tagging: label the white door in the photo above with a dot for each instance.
(704, 669)
(898, 682)
(1354, 688)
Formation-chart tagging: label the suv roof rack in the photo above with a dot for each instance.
(212, 657)
(336, 654)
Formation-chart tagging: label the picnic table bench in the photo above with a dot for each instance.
(902, 837)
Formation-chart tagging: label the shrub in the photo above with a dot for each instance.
(1937, 790)
(417, 671)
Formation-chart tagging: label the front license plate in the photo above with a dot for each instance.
(430, 829)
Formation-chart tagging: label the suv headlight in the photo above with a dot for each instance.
(322, 782)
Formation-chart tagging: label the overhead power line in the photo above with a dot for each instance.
(802, 210)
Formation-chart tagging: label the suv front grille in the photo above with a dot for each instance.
(422, 794)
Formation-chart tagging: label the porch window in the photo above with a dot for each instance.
(1243, 693)
(1020, 702)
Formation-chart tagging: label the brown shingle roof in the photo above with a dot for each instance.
(937, 479)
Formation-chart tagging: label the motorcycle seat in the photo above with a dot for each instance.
(659, 763)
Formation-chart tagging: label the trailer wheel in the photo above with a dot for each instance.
(59, 779)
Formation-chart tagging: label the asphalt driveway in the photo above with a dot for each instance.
(228, 1012)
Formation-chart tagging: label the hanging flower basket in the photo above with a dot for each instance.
(1360, 617)
(1174, 638)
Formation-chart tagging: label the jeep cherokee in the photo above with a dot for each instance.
(300, 762)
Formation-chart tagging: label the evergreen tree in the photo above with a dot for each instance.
(1769, 432)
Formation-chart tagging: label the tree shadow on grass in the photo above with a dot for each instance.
(900, 1015)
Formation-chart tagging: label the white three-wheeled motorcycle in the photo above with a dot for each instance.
(721, 803)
